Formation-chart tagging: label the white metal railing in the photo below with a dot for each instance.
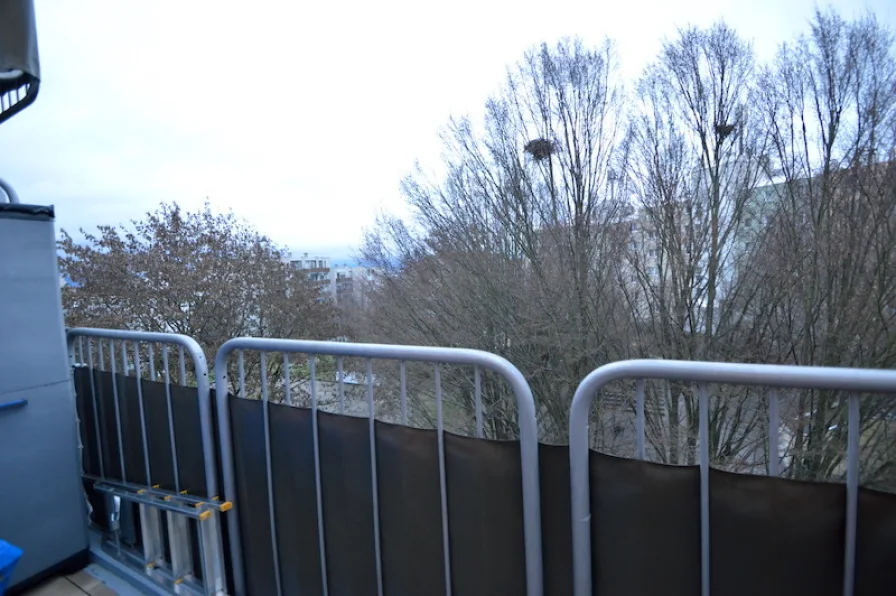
(178, 568)
(853, 381)
(437, 356)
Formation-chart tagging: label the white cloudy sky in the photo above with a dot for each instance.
(301, 117)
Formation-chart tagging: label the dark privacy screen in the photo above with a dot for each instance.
(768, 536)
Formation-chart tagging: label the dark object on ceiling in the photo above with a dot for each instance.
(19, 63)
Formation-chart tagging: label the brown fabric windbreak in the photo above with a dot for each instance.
(768, 536)
(185, 410)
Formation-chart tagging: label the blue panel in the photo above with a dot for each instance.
(42, 508)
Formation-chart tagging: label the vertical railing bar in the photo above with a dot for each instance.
(270, 473)
(374, 480)
(774, 425)
(183, 366)
(241, 366)
(96, 413)
(117, 410)
(704, 489)
(100, 354)
(315, 436)
(443, 487)
(151, 356)
(477, 399)
(340, 384)
(641, 449)
(166, 368)
(852, 494)
(82, 424)
(142, 412)
(403, 391)
(124, 358)
(286, 380)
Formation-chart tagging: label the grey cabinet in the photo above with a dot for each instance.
(42, 509)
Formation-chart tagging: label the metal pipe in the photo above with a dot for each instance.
(166, 369)
(443, 484)
(477, 400)
(703, 397)
(225, 439)
(852, 495)
(315, 436)
(241, 365)
(774, 425)
(640, 449)
(266, 418)
(11, 195)
(340, 384)
(96, 415)
(143, 435)
(286, 381)
(371, 411)
(121, 463)
(183, 367)
(403, 392)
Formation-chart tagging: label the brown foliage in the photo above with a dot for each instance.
(206, 275)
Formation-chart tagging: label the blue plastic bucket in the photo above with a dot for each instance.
(9, 556)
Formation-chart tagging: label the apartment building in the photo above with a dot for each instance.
(670, 242)
(345, 284)
(316, 268)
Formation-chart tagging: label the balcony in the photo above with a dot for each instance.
(267, 472)
(268, 489)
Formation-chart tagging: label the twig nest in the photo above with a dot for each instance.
(539, 148)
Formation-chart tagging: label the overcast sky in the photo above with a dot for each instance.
(301, 117)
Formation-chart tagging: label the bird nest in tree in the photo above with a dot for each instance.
(539, 148)
(723, 129)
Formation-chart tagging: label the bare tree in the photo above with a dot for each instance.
(693, 153)
(509, 253)
(829, 103)
(744, 214)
